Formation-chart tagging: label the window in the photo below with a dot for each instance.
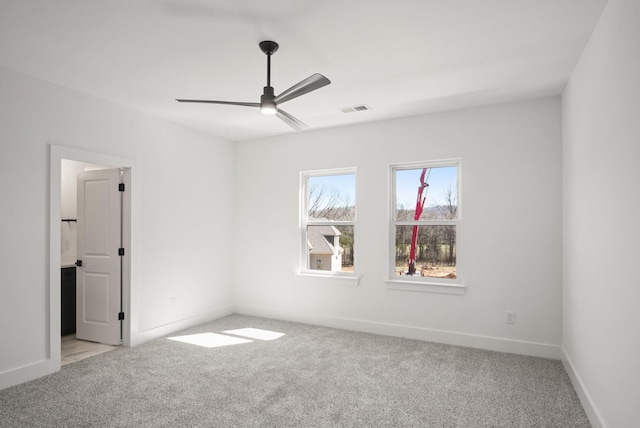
(328, 221)
(425, 205)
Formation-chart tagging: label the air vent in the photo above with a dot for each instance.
(352, 109)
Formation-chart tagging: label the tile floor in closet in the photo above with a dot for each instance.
(75, 350)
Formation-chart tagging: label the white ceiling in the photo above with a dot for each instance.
(401, 58)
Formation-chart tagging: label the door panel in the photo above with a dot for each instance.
(97, 228)
(96, 293)
(99, 238)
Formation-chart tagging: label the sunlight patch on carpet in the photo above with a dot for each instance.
(255, 333)
(210, 340)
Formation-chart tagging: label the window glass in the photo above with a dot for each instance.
(439, 189)
(332, 197)
(435, 251)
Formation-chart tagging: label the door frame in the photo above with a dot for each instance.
(129, 302)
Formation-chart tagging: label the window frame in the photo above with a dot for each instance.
(304, 222)
(422, 283)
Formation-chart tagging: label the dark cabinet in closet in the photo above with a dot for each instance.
(68, 300)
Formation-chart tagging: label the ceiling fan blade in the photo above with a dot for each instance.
(311, 83)
(233, 103)
(290, 120)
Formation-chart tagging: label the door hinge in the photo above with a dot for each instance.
(121, 187)
(120, 316)
(121, 251)
(78, 262)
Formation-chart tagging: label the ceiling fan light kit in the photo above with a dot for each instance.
(267, 105)
(269, 101)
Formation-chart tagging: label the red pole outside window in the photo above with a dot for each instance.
(420, 200)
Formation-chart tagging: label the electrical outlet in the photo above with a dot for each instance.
(511, 317)
(174, 300)
(292, 295)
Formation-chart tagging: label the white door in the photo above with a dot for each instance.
(98, 279)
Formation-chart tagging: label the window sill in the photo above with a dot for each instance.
(338, 279)
(426, 287)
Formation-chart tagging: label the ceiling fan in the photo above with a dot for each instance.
(268, 101)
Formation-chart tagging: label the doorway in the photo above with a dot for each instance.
(91, 211)
(62, 239)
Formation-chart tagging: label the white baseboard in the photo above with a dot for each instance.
(452, 338)
(147, 335)
(26, 373)
(42, 368)
(585, 399)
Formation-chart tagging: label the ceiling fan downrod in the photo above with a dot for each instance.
(267, 105)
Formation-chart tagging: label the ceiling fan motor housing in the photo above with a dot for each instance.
(267, 105)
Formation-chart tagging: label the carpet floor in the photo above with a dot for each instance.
(308, 377)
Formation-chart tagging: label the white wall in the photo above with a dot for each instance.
(510, 244)
(601, 169)
(184, 202)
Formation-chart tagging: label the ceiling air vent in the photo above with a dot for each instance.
(352, 109)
